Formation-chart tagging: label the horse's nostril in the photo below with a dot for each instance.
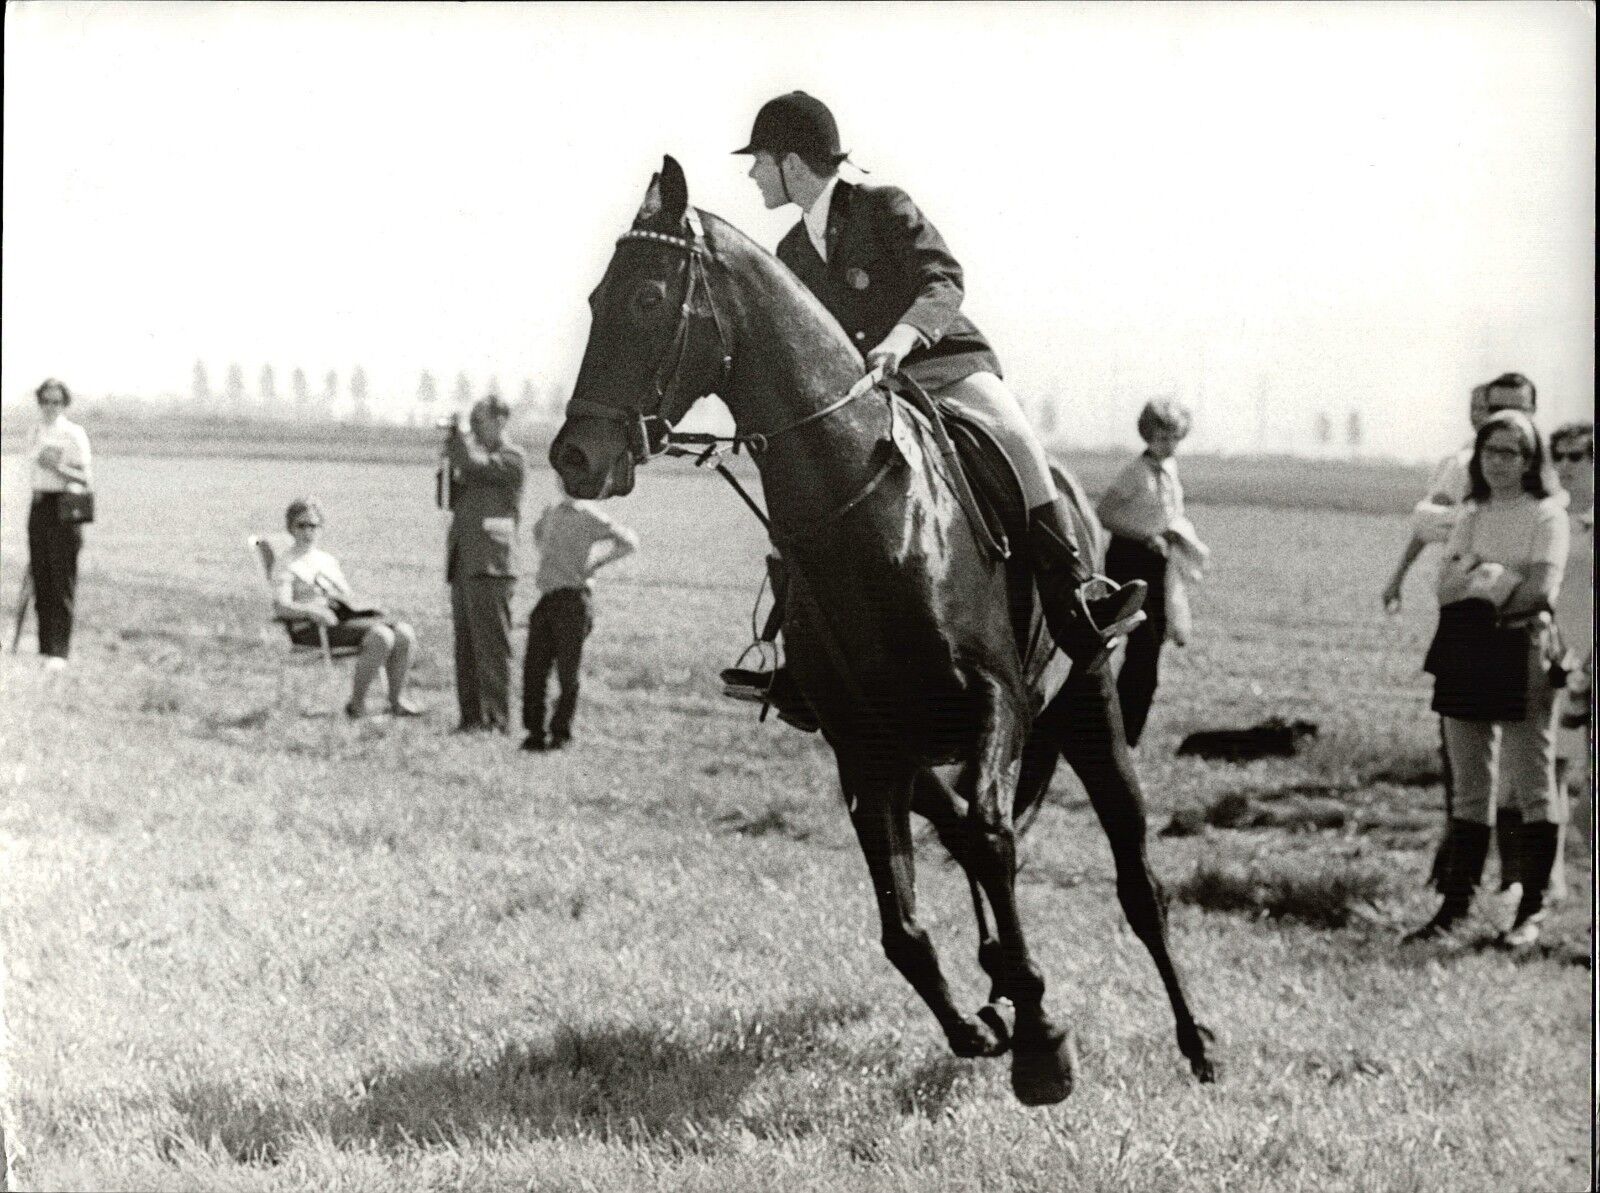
(572, 457)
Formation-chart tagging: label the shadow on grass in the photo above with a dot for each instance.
(632, 1083)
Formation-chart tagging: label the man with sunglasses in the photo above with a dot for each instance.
(486, 475)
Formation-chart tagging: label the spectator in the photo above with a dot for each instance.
(1153, 541)
(59, 450)
(567, 533)
(485, 489)
(310, 590)
(1572, 447)
(1502, 572)
(1432, 521)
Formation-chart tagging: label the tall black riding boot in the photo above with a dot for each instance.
(1540, 840)
(1081, 621)
(1464, 855)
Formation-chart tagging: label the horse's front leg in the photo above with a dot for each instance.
(1093, 742)
(879, 796)
(1041, 1051)
(937, 802)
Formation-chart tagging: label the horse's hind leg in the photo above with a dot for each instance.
(1090, 724)
(880, 808)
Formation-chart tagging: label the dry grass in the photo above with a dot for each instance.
(253, 950)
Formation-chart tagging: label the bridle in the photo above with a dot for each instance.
(650, 433)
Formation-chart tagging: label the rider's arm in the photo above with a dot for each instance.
(922, 256)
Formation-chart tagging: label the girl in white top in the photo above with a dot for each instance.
(309, 587)
(58, 451)
(1509, 549)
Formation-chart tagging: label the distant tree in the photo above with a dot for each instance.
(358, 396)
(1324, 428)
(463, 396)
(267, 389)
(330, 392)
(427, 395)
(302, 393)
(234, 390)
(201, 386)
(530, 395)
(1352, 430)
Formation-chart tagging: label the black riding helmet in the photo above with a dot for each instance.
(796, 123)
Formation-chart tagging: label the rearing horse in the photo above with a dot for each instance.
(898, 625)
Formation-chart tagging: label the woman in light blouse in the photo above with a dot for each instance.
(1501, 577)
(59, 454)
(310, 590)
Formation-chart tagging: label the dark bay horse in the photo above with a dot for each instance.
(898, 624)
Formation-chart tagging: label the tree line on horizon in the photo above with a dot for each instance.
(322, 402)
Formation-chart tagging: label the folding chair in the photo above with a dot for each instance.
(261, 550)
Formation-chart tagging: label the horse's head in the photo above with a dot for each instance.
(655, 345)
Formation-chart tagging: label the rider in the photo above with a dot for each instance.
(884, 272)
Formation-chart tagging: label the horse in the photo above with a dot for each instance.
(899, 624)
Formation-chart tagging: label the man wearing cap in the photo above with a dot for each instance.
(884, 272)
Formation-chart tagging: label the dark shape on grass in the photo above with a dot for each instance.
(1323, 895)
(914, 646)
(626, 1082)
(1272, 738)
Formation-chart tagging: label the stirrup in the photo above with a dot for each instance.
(1101, 588)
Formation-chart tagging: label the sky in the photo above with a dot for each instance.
(1273, 211)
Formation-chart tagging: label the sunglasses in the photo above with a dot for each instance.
(52, 402)
(1506, 453)
(307, 525)
(1570, 457)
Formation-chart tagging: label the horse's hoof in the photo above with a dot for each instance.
(992, 1014)
(1203, 1067)
(1041, 1075)
(981, 1035)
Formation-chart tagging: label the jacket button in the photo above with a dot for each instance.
(861, 335)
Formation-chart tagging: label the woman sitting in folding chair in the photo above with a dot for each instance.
(310, 591)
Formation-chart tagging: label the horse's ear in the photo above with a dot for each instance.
(651, 207)
(674, 189)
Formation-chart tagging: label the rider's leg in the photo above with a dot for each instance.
(1079, 620)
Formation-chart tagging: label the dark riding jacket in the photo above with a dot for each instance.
(887, 264)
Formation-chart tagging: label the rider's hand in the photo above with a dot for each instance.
(901, 341)
(326, 618)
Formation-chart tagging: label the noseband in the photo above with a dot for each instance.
(649, 432)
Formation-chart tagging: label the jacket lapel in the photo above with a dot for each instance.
(838, 211)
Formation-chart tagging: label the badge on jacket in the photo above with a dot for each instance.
(857, 277)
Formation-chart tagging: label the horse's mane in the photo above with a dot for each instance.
(730, 245)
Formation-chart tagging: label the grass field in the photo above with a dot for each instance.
(249, 949)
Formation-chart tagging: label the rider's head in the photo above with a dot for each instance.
(795, 143)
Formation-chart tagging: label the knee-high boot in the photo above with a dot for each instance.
(1081, 622)
(1464, 855)
(1540, 840)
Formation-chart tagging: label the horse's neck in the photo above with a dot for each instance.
(792, 361)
